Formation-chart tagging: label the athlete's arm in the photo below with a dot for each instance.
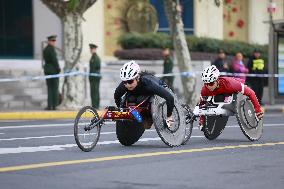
(119, 92)
(155, 88)
(250, 93)
(237, 86)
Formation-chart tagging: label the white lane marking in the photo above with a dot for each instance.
(72, 124)
(39, 137)
(2, 133)
(44, 125)
(108, 133)
(55, 136)
(62, 147)
(35, 126)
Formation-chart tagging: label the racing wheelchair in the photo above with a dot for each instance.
(214, 112)
(132, 118)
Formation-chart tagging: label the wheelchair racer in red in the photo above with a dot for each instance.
(215, 85)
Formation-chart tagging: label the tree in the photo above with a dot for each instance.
(173, 12)
(71, 15)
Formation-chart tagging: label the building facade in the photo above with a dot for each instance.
(25, 24)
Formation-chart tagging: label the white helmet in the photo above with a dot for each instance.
(210, 74)
(129, 70)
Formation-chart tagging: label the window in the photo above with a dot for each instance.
(16, 29)
(187, 15)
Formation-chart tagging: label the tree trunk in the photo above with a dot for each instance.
(70, 12)
(73, 88)
(173, 12)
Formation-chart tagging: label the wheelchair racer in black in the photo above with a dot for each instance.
(134, 82)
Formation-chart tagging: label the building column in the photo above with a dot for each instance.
(46, 23)
(257, 29)
(93, 30)
(208, 19)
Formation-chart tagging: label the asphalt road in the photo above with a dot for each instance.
(43, 154)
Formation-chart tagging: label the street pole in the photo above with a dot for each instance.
(271, 84)
(271, 54)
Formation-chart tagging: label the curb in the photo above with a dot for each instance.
(273, 109)
(41, 115)
(38, 115)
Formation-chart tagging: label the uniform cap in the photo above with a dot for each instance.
(93, 46)
(51, 38)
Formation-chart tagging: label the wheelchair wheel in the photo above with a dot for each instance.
(175, 135)
(214, 126)
(188, 122)
(250, 127)
(128, 132)
(87, 128)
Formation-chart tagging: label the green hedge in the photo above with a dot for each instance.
(195, 44)
(148, 40)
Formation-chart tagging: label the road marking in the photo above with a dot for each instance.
(131, 156)
(56, 136)
(44, 125)
(21, 149)
(51, 136)
(109, 123)
(60, 147)
(35, 126)
(105, 133)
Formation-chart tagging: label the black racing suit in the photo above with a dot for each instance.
(148, 85)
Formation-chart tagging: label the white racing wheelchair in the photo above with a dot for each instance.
(216, 110)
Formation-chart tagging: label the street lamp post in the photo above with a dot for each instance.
(271, 60)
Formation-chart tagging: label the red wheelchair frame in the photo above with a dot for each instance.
(113, 113)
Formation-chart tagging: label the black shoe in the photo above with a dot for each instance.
(47, 108)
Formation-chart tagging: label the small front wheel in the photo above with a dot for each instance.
(87, 128)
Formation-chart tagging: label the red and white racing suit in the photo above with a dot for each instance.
(230, 85)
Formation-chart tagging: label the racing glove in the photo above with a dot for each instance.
(169, 121)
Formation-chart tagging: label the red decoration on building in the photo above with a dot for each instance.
(228, 1)
(240, 23)
(117, 21)
(108, 33)
(224, 16)
(231, 33)
(234, 9)
(109, 6)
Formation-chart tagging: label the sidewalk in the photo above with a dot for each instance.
(41, 115)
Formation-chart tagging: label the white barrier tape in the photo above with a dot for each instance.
(193, 74)
(76, 73)
(39, 77)
(186, 74)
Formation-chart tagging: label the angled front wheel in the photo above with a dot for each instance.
(87, 128)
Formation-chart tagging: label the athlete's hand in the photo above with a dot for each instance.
(169, 121)
(259, 115)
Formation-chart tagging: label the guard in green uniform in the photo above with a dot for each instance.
(168, 68)
(51, 67)
(95, 67)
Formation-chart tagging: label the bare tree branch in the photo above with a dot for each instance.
(58, 7)
(218, 3)
(85, 4)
